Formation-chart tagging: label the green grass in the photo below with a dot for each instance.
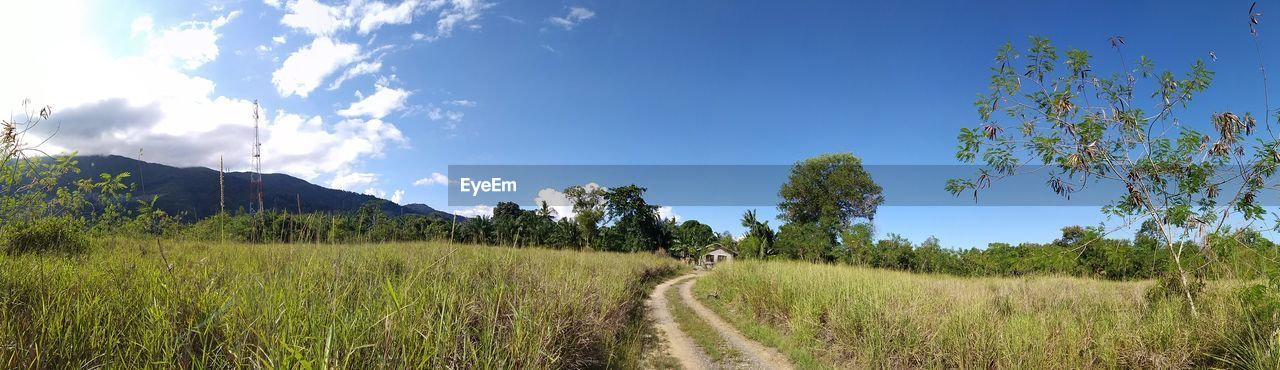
(418, 305)
(717, 349)
(846, 317)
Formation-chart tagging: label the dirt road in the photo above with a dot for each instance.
(679, 345)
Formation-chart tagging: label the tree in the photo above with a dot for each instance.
(858, 242)
(761, 235)
(1080, 126)
(588, 208)
(830, 190)
(691, 237)
(635, 222)
(805, 241)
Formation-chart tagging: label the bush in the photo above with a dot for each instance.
(44, 235)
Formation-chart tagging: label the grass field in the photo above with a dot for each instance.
(420, 305)
(846, 317)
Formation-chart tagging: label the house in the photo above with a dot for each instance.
(719, 255)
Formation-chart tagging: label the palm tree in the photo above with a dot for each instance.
(760, 230)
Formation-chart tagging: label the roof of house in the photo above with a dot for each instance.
(723, 250)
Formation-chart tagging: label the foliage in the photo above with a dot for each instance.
(61, 235)
(635, 223)
(1058, 113)
(807, 242)
(830, 190)
(691, 239)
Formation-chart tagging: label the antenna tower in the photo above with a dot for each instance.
(255, 178)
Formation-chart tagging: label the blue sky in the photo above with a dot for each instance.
(426, 84)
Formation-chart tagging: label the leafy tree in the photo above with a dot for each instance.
(589, 209)
(1056, 111)
(761, 235)
(691, 237)
(636, 226)
(830, 190)
(806, 241)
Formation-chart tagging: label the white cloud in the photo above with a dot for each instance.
(457, 13)
(474, 211)
(191, 44)
(561, 203)
(666, 212)
(575, 17)
(451, 118)
(353, 180)
(464, 103)
(306, 68)
(382, 102)
(377, 14)
(306, 147)
(436, 178)
(417, 36)
(116, 104)
(278, 40)
(361, 68)
(397, 196)
(141, 24)
(316, 18)
(556, 200)
(272, 3)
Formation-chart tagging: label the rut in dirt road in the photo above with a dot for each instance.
(750, 354)
(678, 344)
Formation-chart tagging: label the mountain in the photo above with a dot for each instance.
(193, 191)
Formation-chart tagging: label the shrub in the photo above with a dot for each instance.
(44, 235)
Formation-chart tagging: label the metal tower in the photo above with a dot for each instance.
(255, 178)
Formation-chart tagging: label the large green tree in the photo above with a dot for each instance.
(830, 190)
(636, 226)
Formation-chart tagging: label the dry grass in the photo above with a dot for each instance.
(414, 305)
(834, 316)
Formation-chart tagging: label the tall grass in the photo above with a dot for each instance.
(856, 317)
(420, 305)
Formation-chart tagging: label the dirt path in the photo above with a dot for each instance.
(753, 355)
(678, 344)
(757, 356)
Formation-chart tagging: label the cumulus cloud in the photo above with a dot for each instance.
(575, 17)
(107, 103)
(666, 212)
(141, 25)
(560, 202)
(272, 3)
(436, 178)
(383, 101)
(305, 146)
(557, 201)
(362, 68)
(397, 196)
(315, 18)
(377, 14)
(306, 68)
(190, 44)
(351, 181)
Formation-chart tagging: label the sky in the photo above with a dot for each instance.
(380, 97)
